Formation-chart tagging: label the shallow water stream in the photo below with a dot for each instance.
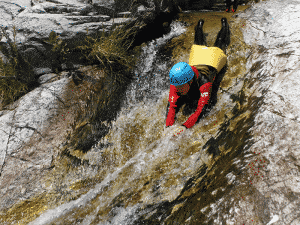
(146, 168)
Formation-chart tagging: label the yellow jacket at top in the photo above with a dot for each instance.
(211, 56)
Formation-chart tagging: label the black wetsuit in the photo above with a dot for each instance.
(207, 74)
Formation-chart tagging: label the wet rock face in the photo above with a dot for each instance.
(261, 171)
(33, 129)
(276, 128)
(263, 167)
(34, 23)
(153, 24)
(24, 154)
(70, 20)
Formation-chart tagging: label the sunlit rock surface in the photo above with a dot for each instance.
(34, 22)
(34, 128)
(71, 20)
(274, 74)
(22, 161)
(262, 168)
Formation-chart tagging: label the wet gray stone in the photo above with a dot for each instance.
(32, 130)
(46, 78)
(35, 20)
(272, 29)
(275, 26)
(22, 162)
(69, 19)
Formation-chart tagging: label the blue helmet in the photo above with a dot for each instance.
(181, 73)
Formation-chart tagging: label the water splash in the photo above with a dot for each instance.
(135, 134)
(151, 73)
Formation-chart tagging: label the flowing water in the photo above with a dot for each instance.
(147, 167)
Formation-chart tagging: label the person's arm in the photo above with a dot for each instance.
(205, 90)
(173, 97)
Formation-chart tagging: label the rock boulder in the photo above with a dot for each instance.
(34, 128)
(70, 20)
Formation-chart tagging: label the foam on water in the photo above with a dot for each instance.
(150, 85)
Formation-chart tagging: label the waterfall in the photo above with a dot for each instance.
(144, 107)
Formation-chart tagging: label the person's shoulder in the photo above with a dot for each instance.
(195, 71)
(173, 89)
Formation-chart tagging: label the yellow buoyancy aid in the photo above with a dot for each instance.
(211, 56)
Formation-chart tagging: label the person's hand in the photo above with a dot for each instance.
(173, 131)
(179, 130)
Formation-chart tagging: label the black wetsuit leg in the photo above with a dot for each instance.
(199, 35)
(223, 38)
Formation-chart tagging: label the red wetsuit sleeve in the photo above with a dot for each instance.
(173, 97)
(205, 90)
(195, 71)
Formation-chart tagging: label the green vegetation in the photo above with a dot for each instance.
(111, 51)
(59, 51)
(16, 76)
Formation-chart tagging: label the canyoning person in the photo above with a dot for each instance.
(190, 84)
(234, 4)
